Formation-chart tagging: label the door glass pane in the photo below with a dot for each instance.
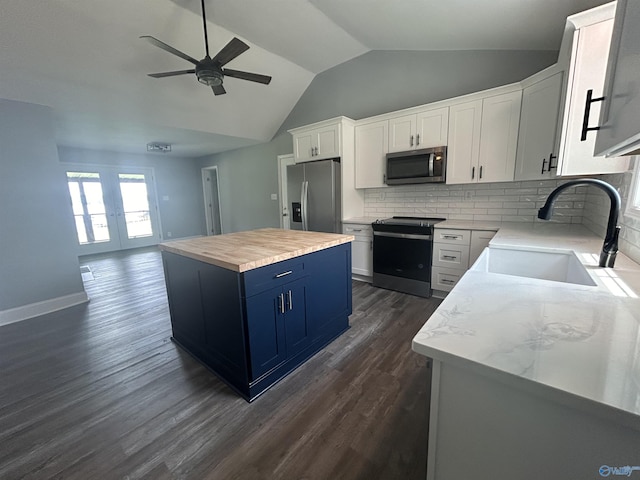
(135, 202)
(89, 211)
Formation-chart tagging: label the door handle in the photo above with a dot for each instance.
(587, 110)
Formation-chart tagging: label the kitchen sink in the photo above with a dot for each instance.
(554, 266)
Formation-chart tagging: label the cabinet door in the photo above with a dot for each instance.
(372, 145)
(362, 256)
(621, 120)
(296, 325)
(402, 133)
(303, 146)
(499, 137)
(328, 142)
(538, 129)
(432, 128)
(587, 72)
(463, 148)
(479, 241)
(265, 326)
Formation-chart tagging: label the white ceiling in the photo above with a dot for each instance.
(85, 60)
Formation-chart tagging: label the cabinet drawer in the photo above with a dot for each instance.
(274, 275)
(450, 255)
(357, 230)
(445, 279)
(444, 235)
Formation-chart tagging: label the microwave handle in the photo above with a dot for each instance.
(431, 155)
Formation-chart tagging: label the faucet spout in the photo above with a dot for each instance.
(610, 245)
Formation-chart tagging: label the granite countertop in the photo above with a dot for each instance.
(579, 342)
(244, 251)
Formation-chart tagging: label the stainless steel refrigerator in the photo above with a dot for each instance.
(313, 190)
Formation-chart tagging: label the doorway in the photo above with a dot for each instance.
(211, 190)
(283, 162)
(113, 208)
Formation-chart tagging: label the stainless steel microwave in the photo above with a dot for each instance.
(427, 165)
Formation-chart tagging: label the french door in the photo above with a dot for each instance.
(114, 208)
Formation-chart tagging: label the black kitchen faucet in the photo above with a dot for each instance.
(610, 246)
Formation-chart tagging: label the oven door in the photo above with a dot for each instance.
(402, 261)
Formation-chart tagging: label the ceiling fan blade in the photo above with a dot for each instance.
(218, 90)
(171, 74)
(230, 51)
(252, 77)
(170, 49)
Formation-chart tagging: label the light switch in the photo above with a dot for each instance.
(165, 198)
(274, 196)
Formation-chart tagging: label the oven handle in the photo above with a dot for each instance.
(402, 235)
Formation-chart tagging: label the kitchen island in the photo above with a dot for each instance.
(252, 306)
(534, 378)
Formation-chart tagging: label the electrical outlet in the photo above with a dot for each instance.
(468, 194)
(169, 234)
(382, 195)
(274, 196)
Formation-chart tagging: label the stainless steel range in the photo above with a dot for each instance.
(402, 250)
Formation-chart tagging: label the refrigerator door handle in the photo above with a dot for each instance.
(304, 202)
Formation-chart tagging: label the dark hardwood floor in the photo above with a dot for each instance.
(99, 391)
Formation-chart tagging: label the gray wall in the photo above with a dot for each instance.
(247, 178)
(383, 81)
(37, 236)
(374, 83)
(179, 179)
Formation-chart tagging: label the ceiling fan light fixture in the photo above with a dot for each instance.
(209, 77)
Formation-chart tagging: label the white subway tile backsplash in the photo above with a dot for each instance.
(508, 201)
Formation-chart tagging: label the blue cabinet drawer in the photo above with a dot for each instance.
(264, 278)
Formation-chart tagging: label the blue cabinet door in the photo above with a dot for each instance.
(296, 326)
(266, 331)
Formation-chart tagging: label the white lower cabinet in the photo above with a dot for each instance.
(454, 251)
(361, 248)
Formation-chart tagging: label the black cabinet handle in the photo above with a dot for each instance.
(551, 165)
(544, 162)
(449, 257)
(480, 171)
(473, 173)
(587, 109)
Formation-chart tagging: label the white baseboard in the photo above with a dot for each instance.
(31, 310)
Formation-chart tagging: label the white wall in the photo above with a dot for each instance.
(38, 259)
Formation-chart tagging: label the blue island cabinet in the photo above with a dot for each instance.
(252, 328)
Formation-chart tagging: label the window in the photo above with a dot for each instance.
(633, 204)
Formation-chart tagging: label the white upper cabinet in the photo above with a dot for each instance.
(620, 123)
(483, 136)
(372, 146)
(463, 149)
(586, 73)
(421, 130)
(499, 137)
(316, 143)
(537, 151)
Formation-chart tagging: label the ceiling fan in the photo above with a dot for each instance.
(209, 70)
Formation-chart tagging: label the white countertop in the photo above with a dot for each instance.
(361, 220)
(582, 341)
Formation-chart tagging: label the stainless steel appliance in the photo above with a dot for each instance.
(427, 165)
(402, 252)
(313, 188)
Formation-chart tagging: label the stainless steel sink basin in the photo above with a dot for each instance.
(554, 266)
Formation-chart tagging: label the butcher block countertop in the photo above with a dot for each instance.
(242, 251)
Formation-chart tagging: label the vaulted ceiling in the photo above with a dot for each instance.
(85, 60)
